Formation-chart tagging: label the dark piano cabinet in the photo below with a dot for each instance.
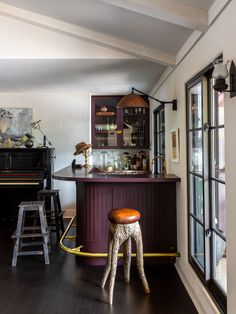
(23, 172)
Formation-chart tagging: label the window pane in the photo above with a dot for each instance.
(218, 207)
(157, 144)
(195, 106)
(218, 153)
(159, 125)
(198, 243)
(217, 108)
(196, 152)
(219, 261)
(220, 115)
(157, 122)
(162, 138)
(196, 197)
(162, 120)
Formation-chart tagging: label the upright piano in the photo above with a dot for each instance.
(23, 172)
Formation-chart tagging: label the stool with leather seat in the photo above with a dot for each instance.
(124, 225)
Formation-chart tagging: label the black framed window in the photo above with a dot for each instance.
(159, 138)
(206, 184)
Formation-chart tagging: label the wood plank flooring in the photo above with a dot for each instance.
(66, 287)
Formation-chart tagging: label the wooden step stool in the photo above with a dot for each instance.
(56, 214)
(26, 232)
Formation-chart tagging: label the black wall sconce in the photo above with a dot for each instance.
(135, 100)
(220, 73)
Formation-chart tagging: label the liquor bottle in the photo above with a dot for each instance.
(108, 124)
(129, 163)
(133, 162)
(125, 160)
(144, 163)
(138, 163)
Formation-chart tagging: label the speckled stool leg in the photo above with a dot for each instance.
(119, 234)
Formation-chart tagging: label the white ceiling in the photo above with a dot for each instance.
(153, 33)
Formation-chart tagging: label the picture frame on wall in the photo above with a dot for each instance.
(15, 123)
(175, 145)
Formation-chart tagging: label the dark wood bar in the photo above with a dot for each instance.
(153, 195)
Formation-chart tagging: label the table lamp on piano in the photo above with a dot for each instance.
(36, 126)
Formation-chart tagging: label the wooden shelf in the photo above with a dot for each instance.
(105, 113)
(101, 132)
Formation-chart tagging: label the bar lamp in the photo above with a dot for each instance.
(134, 100)
(36, 126)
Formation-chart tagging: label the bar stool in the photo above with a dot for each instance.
(57, 213)
(124, 225)
(23, 232)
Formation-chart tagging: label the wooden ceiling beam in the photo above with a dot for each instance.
(88, 35)
(169, 11)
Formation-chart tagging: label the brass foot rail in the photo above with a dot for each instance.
(77, 250)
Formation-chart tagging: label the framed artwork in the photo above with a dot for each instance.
(14, 124)
(175, 145)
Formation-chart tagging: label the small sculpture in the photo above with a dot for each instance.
(82, 148)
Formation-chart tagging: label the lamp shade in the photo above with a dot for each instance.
(132, 100)
(220, 71)
(35, 125)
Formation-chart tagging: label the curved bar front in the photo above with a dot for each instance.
(96, 194)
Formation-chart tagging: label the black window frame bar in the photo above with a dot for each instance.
(217, 293)
(158, 163)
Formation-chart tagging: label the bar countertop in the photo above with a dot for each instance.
(85, 175)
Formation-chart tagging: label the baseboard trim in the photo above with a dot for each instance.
(200, 297)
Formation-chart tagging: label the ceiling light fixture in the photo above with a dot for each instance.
(221, 73)
(134, 100)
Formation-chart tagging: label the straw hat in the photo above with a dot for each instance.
(80, 147)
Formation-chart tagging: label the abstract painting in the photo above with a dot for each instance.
(14, 124)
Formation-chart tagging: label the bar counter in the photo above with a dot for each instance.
(151, 194)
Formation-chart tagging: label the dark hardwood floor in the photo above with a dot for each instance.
(67, 287)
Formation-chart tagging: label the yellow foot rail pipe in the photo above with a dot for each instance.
(77, 250)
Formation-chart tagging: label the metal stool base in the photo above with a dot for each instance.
(119, 234)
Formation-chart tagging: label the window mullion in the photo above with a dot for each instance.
(207, 234)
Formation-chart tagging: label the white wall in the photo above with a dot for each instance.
(220, 38)
(66, 122)
(65, 115)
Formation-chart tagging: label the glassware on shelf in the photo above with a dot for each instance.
(118, 128)
(104, 159)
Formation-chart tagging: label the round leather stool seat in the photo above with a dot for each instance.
(123, 216)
